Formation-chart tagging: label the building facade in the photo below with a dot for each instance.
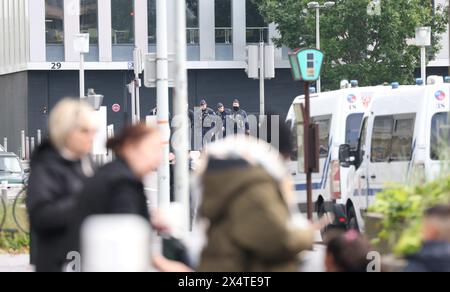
(39, 65)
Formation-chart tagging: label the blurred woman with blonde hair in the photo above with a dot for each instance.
(59, 168)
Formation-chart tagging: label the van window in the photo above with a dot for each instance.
(362, 143)
(353, 128)
(440, 135)
(293, 126)
(392, 138)
(324, 123)
(402, 139)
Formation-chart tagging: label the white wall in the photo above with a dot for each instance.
(442, 58)
(14, 32)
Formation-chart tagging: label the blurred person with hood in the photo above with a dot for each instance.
(435, 253)
(251, 227)
(59, 168)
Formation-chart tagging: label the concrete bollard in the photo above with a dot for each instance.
(27, 148)
(32, 146)
(5, 144)
(39, 137)
(22, 145)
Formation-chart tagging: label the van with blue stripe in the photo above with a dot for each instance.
(401, 141)
(339, 115)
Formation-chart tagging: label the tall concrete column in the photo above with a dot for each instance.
(239, 29)
(104, 31)
(71, 28)
(141, 25)
(207, 30)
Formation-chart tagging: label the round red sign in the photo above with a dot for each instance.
(116, 108)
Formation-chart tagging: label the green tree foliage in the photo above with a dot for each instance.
(362, 41)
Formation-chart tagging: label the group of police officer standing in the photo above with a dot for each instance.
(234, 120)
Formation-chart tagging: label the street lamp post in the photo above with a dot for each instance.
(81, 46)
(423, 40)
(316, 6)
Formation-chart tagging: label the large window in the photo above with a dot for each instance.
(440, 135)
(122, 22)
(392, 138)
(54, 21)
(89, 19)
(192, 18)
(224, 26)
(152, 22)
(257, 28)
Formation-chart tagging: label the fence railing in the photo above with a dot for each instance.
(257, 34)
(193, 35)
(224, 35)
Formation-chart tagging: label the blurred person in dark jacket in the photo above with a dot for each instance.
(223, 113)
(435, 253)
(208, 122)
(238, 120)
(117, 188)
(59, 168)
(347, 253)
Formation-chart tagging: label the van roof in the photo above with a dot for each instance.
(8, 154)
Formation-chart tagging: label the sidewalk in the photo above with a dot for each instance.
(15, 263)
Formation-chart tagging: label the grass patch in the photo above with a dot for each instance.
(14, 238)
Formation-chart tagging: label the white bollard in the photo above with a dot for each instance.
(39, 137)
(5, 144)
(32, 146)
(116, 243)
(27, 148)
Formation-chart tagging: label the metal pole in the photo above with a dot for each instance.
(27, 148)
(132, 90)
(138, 99)
(162, 87)
(137, 82)
(82, 91)
(423, 62)
(261, 80)
(307, 152)
(181, 112)
(319, 81)
(22, 145)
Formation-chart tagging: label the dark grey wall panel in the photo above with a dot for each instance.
(48, 87)
(13, 108)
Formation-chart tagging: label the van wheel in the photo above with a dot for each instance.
(352, 220)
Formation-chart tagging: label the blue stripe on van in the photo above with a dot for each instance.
(372, 192)
(302, 187)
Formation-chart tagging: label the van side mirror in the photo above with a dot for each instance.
(345, 156)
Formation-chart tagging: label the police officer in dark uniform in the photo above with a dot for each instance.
(239, 118)
(208, 118)
(223, 113)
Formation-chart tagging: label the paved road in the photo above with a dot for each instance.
(312, 262)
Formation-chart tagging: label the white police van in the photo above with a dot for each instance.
(400, 140)
(339, 115)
